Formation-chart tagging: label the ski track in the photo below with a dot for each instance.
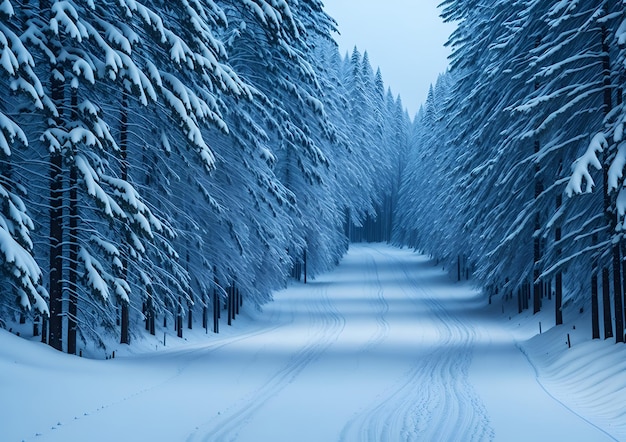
(328, 324)
(432, 399)
(381, 305)
(436, 386)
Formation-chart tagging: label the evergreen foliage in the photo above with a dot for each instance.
(160, 160)
(530, 112)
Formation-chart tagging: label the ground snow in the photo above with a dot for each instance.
(385, 348)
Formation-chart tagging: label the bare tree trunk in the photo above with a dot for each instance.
(125, 314)
(606, 304)
(617, 295)
(205, 312)
(216, 311)
(72, 307)
(229, 305)
(305, 266)
(56, 231)
(179, 318)
(150, 313)
(558, 280)
(537, 285)
(595, 313)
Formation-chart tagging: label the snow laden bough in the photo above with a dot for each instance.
(581, 175)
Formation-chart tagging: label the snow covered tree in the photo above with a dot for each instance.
(22, 277)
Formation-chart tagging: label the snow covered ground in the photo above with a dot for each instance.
(385, 348)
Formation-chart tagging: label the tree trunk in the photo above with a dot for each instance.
(623, 281)
(150, 312)
(606, 304)
(558, 280)
(72, 307)
(237, 300)
(233, 300)
(205, 312)
(216, 312)
(304, 263)
(44, 328)
(617, 295)
(56, 231)
(125, 339)
(179, 318)
(595, 311)
(537, 285)
(124, 330)
(610, 218)
(229, 305)
(189, 317)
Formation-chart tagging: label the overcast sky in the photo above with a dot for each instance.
(404, 37)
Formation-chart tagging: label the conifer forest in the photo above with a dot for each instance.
(170, 162)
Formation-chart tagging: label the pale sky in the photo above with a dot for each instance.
(404, 38)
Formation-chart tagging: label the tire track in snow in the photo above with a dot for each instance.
(381, 306)
(434, 399)
(226, 425)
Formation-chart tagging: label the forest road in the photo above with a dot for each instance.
(384, 348)
(388, 348)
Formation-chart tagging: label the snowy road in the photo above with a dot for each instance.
(385, 348)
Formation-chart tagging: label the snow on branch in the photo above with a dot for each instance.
(9, 132)
(94, 274)
(66, 16)
(616, 171)
(23, 268)
(580, 168)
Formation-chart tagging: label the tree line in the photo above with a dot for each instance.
(163, 162)
(517, 167)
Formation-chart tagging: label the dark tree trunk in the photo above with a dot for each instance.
(623, 282)
(304, 263)
(237, 300)
(72, 306)
(610, 218)
(233, 300)
(606, 304)
(189, 316)
(125, 314)
(44, 329)
(205, 312)
(617, 295)
(558, 298)
(537, 284)
(526, 294)
(179, 318)
(124, 337)
(229, 305)
(595, 311)
(216, 311)
(56, 232)
(558, 280)
(150, 313)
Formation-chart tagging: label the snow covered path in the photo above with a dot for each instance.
(385, 348)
